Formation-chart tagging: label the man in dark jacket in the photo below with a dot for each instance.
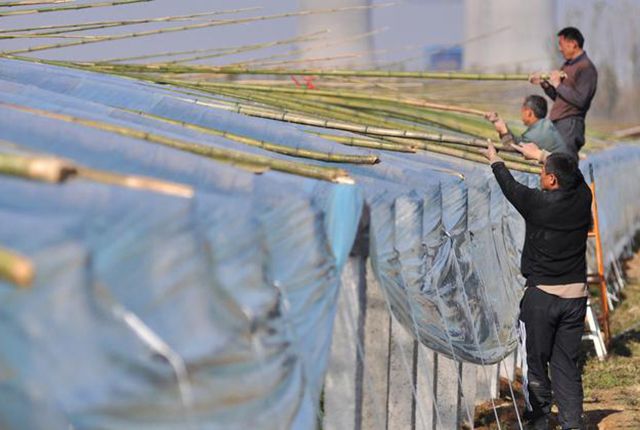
(553, 307)
(572, 94)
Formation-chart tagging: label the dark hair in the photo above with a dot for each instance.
(537, 104)
(565, 168)
(572, 33)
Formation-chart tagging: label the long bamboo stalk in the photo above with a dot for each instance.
(427, 146)
(320, 72)
(136, 182)
(6, 36)
(16, 268)
(298, 52)
(205, 24)
(71, 7)
(253, 47)
(123, 23)
(237, 158)
(366, 143)
(67, 28)
(273, 147)
(33, 2)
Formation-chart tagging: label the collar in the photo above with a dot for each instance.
(575, 60)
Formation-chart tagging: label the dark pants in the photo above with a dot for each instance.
(572, 131)
(551, 333)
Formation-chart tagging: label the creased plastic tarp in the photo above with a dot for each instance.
(151, 311)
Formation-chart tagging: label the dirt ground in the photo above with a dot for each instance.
(612, 387)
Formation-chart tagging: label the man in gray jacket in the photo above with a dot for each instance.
(540, 130)
(572, 94)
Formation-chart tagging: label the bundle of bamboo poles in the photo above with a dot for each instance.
(383, 116)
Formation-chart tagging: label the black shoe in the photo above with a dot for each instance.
(538, 423)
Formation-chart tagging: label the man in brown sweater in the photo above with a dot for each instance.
(572, 94)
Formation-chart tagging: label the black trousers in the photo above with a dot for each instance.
(550, 334)
(572, 131)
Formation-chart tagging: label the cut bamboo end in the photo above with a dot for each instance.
(45, 169)
(15, 268)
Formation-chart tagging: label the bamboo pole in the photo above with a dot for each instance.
(183, 28)
(71, 7)
(506, 156)
(253, 47)
(6, 36)
(366, 143)
(193, 69)
(67, 28)
(16, 268)
(123, 23)
(233, 157)
(136, 182)
(33, 2)
(273, 147)
(299, 52)
(47, 169)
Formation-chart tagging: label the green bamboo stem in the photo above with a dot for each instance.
(44, 36)
(181, 28)
(72, 7)
(366, 143)
(253, 47)
(268, 146)
(47, 169)
(123, 23)
(301, 51)
(237, 158)
(33, 2)
(333, 73)
(92, 25)
(310, 60)
(520, 165)
(510, 157)
(15, 268)
(136, 182)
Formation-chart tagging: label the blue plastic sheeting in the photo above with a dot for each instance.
(234, 291)
(215, 312)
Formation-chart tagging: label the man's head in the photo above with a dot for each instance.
(533, 108)
(560, 172)
(570, 42)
